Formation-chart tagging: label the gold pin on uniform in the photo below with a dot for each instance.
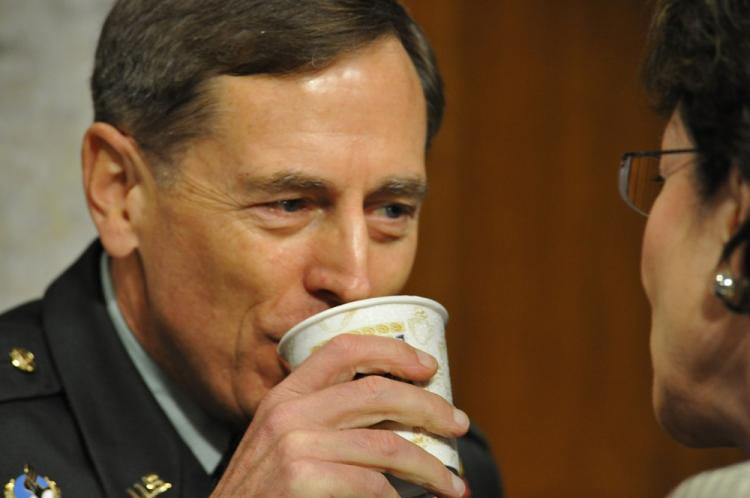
(31, 485)
(151, 485)
(23, 360)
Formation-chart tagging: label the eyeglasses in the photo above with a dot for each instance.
(640, 179)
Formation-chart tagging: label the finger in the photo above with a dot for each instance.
(372, 400)
(312, 479)
(380, 450)
(347, 355)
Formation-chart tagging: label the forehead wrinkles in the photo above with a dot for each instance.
(378, 80)
(268, 123)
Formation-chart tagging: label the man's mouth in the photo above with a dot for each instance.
(274, 338)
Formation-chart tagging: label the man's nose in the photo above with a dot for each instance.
(340, 269)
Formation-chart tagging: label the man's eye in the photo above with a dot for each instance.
(396, 211)
(290, 205)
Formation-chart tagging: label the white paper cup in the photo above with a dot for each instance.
(418, 321)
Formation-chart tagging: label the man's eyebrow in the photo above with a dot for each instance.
(398, 186)
(286, 181)
(290, 181)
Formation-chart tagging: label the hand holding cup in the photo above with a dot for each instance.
(418, 321)
(320, 431)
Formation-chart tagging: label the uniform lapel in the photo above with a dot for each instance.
(126, 433)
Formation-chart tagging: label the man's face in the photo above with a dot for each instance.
(305, 196)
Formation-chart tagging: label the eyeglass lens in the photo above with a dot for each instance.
(644, 182)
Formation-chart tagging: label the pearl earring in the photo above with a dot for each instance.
(732, 291)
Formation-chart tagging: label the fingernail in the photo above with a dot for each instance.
(458, 485)
(425, 359)
(461, 418)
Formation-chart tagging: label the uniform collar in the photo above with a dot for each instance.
(207, 439)
(126, 434)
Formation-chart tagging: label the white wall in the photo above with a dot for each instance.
(46, 55)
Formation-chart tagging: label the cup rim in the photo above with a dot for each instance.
(362, 303)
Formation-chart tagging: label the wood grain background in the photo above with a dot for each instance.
(526, 242)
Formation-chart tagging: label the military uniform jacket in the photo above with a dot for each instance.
(85, 419)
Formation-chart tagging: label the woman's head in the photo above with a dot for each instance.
(698, 70)
(699, 65)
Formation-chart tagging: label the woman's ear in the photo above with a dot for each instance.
(112, 180)
(739, 193)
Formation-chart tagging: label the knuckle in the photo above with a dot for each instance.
(437, 409)
(374, 386)
(380, 487)
(289, 447)
(441, 410)
(387, 443)
(278, 420)
(297, 475)
(344, 344)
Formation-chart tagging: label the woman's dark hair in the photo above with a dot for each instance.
(699, 64)
(155, 58)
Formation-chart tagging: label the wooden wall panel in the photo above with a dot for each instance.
(526, 242)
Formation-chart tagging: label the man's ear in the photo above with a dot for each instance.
(739, 207)
(112, 182)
